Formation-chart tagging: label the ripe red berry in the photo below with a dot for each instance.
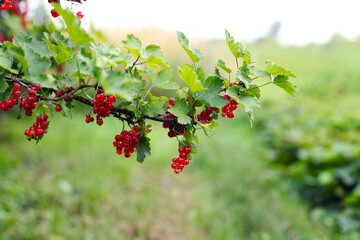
(67, 99)
(172, 101)
(54, 13)
(16, 87)
(136, 128)
(79, 15)
(37, 87)
(187, 149)
(99, 122)
(58, 108)
(58, 93)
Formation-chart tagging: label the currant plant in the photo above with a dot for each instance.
(112, 81)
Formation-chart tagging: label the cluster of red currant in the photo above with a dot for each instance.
(227, 110)
(179, 163)
(11, 102)
(38, 129)
(29, 103)
(7, 5)
(102, 107)
(127, 141)
(178, 129)
(205, 116)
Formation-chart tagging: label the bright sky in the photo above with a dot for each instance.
(302, 21)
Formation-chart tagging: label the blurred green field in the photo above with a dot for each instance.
(73, 185)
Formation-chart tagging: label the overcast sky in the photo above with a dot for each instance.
(302, 21)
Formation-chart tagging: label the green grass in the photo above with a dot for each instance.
(73, 186)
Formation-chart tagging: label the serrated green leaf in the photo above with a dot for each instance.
(211, 96)
(119, 84)
(108, 55)
(77, 34)
(194, 54)
(154, 57)
(188, 74)
(43, 80)
(80, 66)
(180, 110)
(201, 74)
(283, 82)
(253, 90)
(3, 85)
(242, 75)
(238, 49)
(143, 149)
(245, 101)
(63, 53)
(6, 63)
(276, 69)
(221, 64)
(36, 64)
(209, 129)
(66, 41)
(258, 72)
(163, 79)
(155, 108)
(132, 44)
(157, 99)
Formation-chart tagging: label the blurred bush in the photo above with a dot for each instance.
(318, 146)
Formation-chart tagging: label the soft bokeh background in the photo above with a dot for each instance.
(72, 185)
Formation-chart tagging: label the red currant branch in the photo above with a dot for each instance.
(116, 112)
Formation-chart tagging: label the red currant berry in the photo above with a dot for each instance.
(99, 122)
(16, 87)
(58, 108)
(79, 15)
(136, 128)
(172, 101)
(187, 149)
(37, 87)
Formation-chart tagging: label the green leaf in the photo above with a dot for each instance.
(132, 44)
(36, 64)
(108, 56)
(257, 72)
(119, 84)
(188, 74)
(143, 149)
(238, 49)
(211, 96)
(43, 80)
(201, 74)
(163, 79)
(154, 57)
(221, 64)
(253, 90)
(6, 63)
(80, 66)
(275, 69)
(243, 75)
(155, 108)
(180, 110)
(245, 101)
(77, 34)
(209, 130)
(63, 52)
(194, 54)
(157, 99)
(3, 85)
(283, 82)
